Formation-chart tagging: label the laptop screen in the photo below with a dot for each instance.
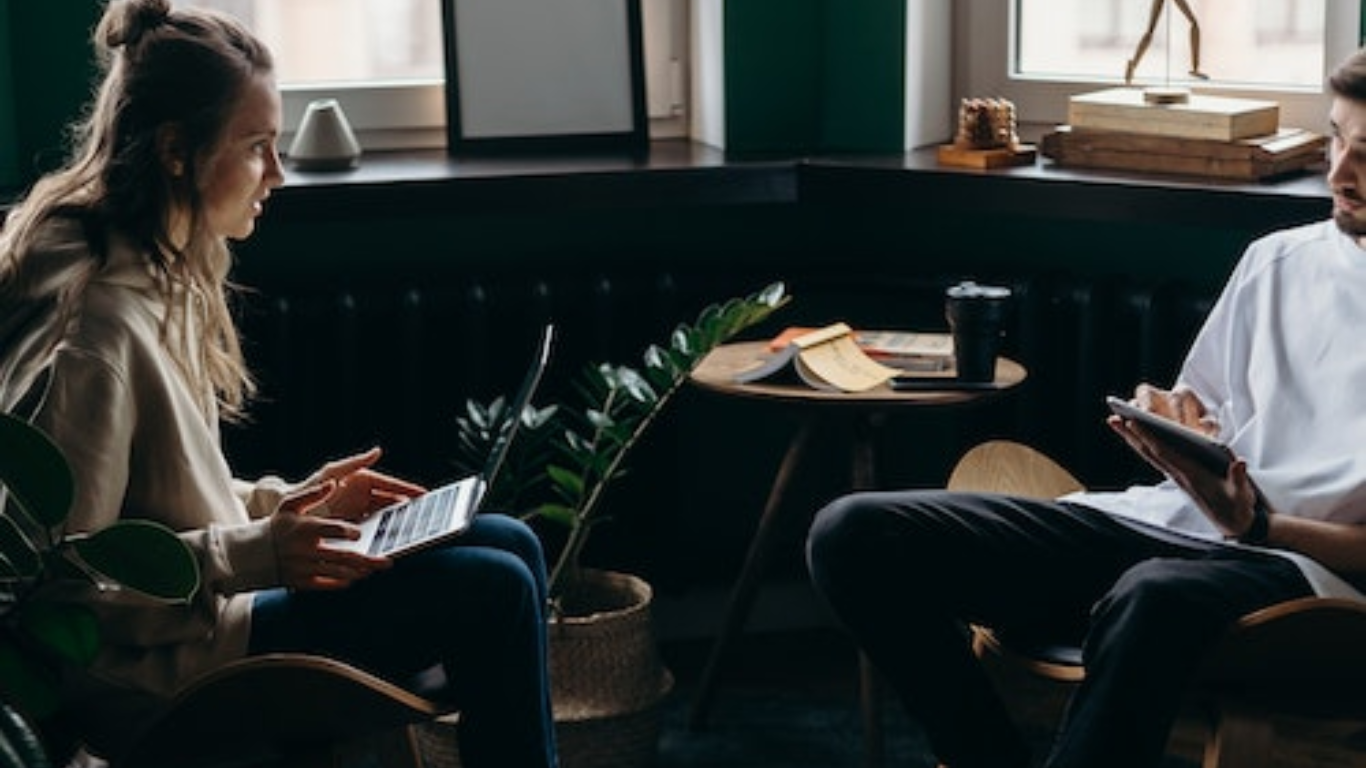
(501, 446)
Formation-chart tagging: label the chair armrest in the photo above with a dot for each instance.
(274, 704)
(1308, 654)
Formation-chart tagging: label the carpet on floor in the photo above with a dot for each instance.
(781, 729)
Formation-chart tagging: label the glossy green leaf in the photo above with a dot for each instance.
(773, 295)
(707, 318)
(18, 556)
(565, 478)
(558, 513)
(66, 630)
(20, 745)
(535, 418)
(144, 556)
(639, 389)
(598, 419)
(575, 443)
(685, 341)
(35, 473)
(28, 684)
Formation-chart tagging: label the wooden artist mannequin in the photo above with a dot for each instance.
(1154, 13)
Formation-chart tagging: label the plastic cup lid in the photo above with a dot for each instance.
(970, 290)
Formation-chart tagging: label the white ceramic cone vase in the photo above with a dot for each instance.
(324, 141)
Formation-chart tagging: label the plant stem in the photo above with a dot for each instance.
(565, 566)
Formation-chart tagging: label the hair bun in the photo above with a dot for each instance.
(126, 21)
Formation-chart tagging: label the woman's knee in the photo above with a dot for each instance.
(485, 579)
(502, 531)
(508, 578)
(508, 534)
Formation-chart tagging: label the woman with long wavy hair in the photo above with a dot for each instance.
(116, 339)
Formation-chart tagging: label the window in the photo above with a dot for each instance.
(383, 60)
(1037, 53)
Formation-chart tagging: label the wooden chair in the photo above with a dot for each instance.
(1304, 658)
(288, 709)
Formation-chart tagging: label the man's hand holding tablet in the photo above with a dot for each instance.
(1243, 514)
(1209, 452)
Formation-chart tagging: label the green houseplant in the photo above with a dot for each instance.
(574, 451)
(38, 636)
(606, 675)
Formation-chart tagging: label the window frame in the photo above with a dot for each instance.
(412, 114)
(984, 50)
(384, 116)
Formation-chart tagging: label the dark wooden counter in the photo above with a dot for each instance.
(677, 173)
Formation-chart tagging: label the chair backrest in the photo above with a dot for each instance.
(1002, 466)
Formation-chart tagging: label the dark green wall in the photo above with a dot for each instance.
(8, 160)
(46, 48)
(45, 71)
(864, 77)
(9, 164)
(806, 76)
(773, 65)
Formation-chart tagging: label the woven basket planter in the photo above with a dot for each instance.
(607, 680)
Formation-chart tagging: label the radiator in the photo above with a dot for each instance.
(346, 367)
(1084, 339)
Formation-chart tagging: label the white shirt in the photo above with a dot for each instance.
(1281, 363)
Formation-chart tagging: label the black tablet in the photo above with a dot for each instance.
(1209, 452)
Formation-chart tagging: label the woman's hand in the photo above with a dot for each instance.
(302, 556)
(325, 507)
(359, 490)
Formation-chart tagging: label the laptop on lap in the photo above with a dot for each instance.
(443, 513)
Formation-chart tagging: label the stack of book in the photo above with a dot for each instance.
(838, 358)
(1205, 136)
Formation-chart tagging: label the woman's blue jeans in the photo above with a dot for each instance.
(475, 607)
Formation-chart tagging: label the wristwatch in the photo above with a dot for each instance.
(1257, 531)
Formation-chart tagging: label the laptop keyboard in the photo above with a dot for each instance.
(418, 519)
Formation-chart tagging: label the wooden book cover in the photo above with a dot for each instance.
(1284, 151)
(1201, 117)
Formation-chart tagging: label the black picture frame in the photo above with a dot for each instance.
(544, 75)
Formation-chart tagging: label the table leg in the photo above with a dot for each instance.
(742, 597)
(870, 700)
(863, 467)
(863, 473)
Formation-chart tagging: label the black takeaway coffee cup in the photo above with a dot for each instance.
(976, 315)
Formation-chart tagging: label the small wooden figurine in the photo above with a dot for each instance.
(986, 136)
